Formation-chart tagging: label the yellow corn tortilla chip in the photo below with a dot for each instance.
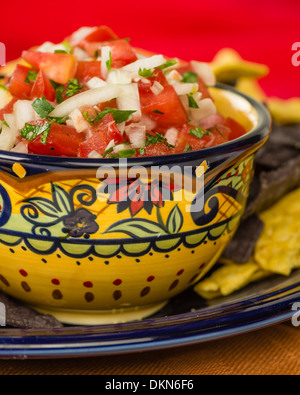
(278, 248)
(276, 252)
(228, 279)
(228, 65)
(284, 111)
(251, 87)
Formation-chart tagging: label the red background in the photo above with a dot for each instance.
(261, 30)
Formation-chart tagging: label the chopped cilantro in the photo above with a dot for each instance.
(190, 77)
(68, 46)
(147, 73)
(188, 148)
(198, 132)
(142, 151)
(60, 120)
(42, 107)
(192, 102)
(31, 132)
(169, 63)
(158, 112)
(109, 62)
(118, 115)
(158, 138)
(31, 77)
(73, 87)
(96, 54)
(63, 51)
(59, 94)
(59, 91)
(3, 87)
(127, 153)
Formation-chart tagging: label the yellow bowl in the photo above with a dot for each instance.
(78, 244)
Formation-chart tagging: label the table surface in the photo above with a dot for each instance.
(269, 351)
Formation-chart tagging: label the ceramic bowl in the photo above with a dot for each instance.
(73, 246)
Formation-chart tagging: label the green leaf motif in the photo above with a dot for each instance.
(137, 228)
(61, 200)
(175, 220)
(45, 206)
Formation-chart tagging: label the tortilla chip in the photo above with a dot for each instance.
(20, 316)
(228, 279)
(251, 87)
(278, 248)
(228, 65)
(269, 187)
(284, 111)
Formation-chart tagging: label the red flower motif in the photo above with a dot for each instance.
(135, 195)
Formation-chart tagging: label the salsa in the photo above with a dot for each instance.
(95, 96)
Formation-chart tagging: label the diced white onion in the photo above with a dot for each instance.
(183, 88)
(49, 47)
(120, 147)
(89, 98)
(79, 122)
(7, 139)
(171, 135)
(5, 97)
(119, 76)
(129, 100)
(80, 34)
(95, 82)
(173, 76)
(110, 145)
(145, 63)
(205, 72)
(10, 119)
(21, 148)
(156, 88)
(136, 134)
(211, 121)
(206, 109)
(148, 122)
(80, 54)
(94, 155)
(105, 57)
(121, 127)
(23, 113)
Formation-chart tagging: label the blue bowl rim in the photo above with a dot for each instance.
(255, 136)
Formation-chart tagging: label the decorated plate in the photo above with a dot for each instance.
(187, 319)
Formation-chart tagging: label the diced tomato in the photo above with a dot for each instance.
(102, 33)
(8, 109)
(102, 133)
(95, 143)
(121, 51)
(107, 104)
(58, 67)
(236, 129)
(62, 141)
(158, 76)
(158, 149)
(17, 85)
(215, 136)
(166, 108)
(87, 70)
(42, 87)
